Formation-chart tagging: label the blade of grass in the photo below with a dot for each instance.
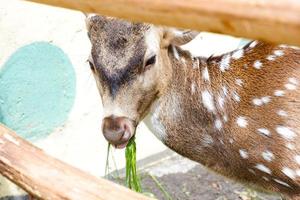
(161, 188)
(107, 161)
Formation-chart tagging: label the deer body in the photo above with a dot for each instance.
(237, 114)
(236, 118)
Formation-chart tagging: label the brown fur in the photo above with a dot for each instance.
(187, 136)
(172, 91)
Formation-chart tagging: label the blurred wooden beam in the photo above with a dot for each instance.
(45, 177)
(276, 21)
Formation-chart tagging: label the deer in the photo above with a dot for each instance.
(237, 114)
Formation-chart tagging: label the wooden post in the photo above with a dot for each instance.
(275, 21)
(45, 177)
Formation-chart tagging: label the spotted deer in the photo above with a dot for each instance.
(237, 114)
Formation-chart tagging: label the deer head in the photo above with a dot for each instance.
(130, 64)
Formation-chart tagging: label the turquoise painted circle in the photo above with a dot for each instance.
(37, 90)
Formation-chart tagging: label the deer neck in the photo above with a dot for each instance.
(194, 108)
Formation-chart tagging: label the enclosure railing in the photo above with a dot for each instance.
(275, 21)
(45, 177)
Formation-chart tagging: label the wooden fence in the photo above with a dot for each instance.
(275, 21)
(45, 177)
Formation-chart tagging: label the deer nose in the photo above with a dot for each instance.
(116, 130)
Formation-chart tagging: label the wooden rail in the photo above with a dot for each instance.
(275, 21)
(45, 177)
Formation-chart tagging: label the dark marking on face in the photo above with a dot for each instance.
(115, 79)
(118, 51)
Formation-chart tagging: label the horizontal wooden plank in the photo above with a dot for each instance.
(45, 177)
(275, 21)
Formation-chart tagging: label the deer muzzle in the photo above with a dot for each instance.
(118, 130)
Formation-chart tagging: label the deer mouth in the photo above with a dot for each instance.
(118, 130)
(123, 141)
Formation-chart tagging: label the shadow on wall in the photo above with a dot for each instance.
(37, 90)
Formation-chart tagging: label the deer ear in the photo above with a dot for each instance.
(178, 37)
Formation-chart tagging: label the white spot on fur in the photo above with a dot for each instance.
(221, 141)
(238, 54)
(242, 122)
(252, 171)
(243, 153)
(265, 178)
(11, 139)
(263, 168)
(289, 172)
(266, 99)
(264, 131)
(225, 63)
(279, 53)
(290, 146)
(271, 57)
(239, 82)
(282, 113)
(297, 159)
(268, 156)
(261, 101)
(285, 132)
(218, 124)
(225, 90)
(208, 101)
(253, 44)
(290, 86)
(257, 64)
(221, 102)
(231, 141)
(293, 81)
(279, 93)
(193, 88)
(205, 74)
(257, 102)
(281, 182)
(236, 97)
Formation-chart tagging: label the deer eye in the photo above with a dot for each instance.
(150, 61)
